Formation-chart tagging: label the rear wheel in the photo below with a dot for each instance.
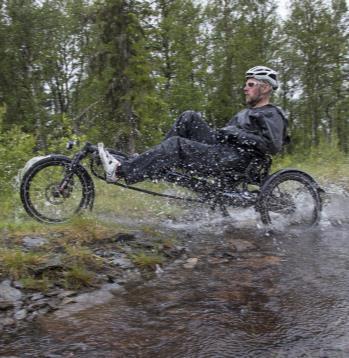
(43, 196)
(290, 198)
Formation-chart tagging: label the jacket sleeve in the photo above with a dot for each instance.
(268, 138)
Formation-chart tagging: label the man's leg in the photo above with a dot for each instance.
(189, 144)
(178, 152)
(190, 125)
(173, 152)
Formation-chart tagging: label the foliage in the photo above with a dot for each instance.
(35, 283)
(314, 72)
(77, 277)
(146, 260)
(120, 71)
(78, 255)
(243, 35)
(15, 149)
(326, 163)
(17, 263)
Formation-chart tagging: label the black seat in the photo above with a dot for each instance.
(258, 169)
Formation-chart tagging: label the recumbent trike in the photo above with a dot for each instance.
(54, 188)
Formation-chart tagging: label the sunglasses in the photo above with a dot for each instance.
(252, 84)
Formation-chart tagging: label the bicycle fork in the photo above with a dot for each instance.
(65, 186)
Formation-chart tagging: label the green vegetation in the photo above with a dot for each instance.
(145, 260)
(327, 165)
(132, 204)
(16, 263)
(36, 284)
(77, 277)
(67, 257)
(120, 71)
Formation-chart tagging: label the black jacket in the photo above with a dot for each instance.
(263, 129)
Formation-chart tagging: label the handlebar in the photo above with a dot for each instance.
(88, 148)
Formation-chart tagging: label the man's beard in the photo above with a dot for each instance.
(251, 102)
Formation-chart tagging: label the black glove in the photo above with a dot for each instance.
(228, 134)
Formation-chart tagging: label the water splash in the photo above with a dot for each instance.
(336, 206)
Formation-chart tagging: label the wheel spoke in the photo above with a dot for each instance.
(290, 200)
(44, 196)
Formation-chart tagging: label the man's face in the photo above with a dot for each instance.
(255, 91)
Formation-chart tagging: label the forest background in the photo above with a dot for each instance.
(120, 71)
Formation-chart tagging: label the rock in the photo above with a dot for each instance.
(53, 263)
(37, 296)
(8, 293)
(146, 244)
(101, 253)
(114, 288)
(17, 284)
(123, 262)
(8, 321)
(68, 300)
(43, 311)
(124, 237)
(174, 251)
(90, 299)
(21, 314)
(32, 242)
(242, 245)
(53, 304)
(131, 275)
(55, 292)
(38, 304)
(191, 263)
(4, 304)
(32, 316)
(66, 294)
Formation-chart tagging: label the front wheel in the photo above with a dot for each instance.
(51, 193)
(290, 198)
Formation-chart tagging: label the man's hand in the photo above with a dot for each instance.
(228, 134)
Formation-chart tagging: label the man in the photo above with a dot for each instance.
(193, 146)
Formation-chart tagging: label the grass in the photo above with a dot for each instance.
(70, 241)
(113, 200)
(78, 255)
(17, 263)
(77, 277)
(36, 284)
(73, 242)
(326, 165)
(146, 260)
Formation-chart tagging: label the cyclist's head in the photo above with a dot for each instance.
(264, 74)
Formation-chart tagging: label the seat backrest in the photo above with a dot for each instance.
(258, 169)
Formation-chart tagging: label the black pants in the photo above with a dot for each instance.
(190, 145)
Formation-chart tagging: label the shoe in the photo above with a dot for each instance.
(110, 164)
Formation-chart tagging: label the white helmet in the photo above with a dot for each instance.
(263, 73)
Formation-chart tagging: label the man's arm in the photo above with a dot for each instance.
(268, 138)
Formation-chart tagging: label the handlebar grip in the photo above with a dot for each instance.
(90, 148)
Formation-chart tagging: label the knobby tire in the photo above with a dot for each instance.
(38, 190)
(292, 198)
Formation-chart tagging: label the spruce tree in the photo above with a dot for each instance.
(243, 34)
(315, 57)
(120, 71)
